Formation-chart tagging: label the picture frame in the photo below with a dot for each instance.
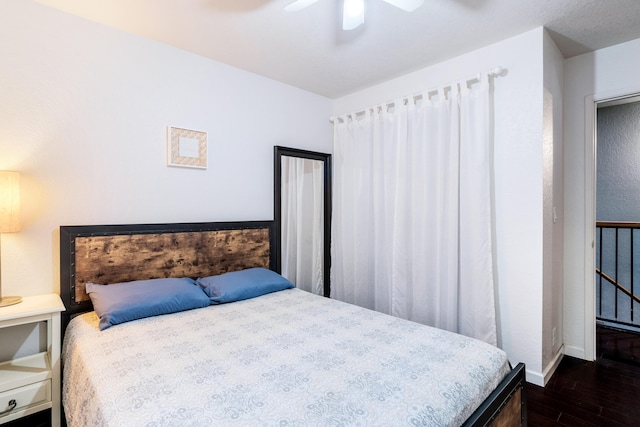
(186, 148)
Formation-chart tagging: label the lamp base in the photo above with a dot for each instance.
(5, 301)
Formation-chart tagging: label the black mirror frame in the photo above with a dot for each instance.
(277, 206)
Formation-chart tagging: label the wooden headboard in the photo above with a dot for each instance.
(107, 254)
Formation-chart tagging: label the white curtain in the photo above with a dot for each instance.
(412, 215)
(303, 223)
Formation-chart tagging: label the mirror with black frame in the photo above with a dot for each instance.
(302, 216)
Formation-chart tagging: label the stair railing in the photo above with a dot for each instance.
(622, 264)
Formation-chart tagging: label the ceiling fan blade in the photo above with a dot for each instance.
(406, 5)
(298, 4)
(353, 14)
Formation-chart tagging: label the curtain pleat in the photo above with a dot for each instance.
(303, 223)
(412, 216)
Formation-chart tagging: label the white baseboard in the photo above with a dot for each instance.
(551, 367)
(541, 379)
(577, 352)
(535, 378)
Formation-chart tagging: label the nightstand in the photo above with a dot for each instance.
(31, 383)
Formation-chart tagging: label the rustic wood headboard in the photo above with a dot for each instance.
(120, 253)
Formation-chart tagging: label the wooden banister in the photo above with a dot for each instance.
(618, 285)
(617, 224)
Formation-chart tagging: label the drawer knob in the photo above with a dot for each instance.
(12, 406)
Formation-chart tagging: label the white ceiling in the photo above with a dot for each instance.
(308, 49)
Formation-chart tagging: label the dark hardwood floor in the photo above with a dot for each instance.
(601, 393)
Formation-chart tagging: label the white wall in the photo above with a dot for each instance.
(518, 177)
(553, 212)
(84, 110)
(599, 75)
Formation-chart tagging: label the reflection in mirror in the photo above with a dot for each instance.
(301, 213)
(302, 223)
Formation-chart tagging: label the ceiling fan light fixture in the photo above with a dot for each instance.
(353, 10)
(298, 5)
(353, 14)
(406, 5)
(354, 7)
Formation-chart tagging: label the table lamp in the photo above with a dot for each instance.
(9, 218)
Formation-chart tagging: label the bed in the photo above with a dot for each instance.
(285, 358)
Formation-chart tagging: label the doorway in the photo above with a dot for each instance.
(613, 318)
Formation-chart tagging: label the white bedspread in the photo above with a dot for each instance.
(284, 359)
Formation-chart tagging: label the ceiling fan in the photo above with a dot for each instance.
(353, 12)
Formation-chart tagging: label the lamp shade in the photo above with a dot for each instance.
(9, 202)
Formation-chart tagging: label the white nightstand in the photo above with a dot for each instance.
(32, 383)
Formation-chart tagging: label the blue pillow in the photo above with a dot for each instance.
(122, 302)
(244, 284)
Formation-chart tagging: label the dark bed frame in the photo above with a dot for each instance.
(120, 253)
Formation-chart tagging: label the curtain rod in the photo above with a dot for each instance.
(493, 72)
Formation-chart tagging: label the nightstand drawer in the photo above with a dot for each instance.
(32, 396)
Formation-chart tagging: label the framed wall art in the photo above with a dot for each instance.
(186, 148)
